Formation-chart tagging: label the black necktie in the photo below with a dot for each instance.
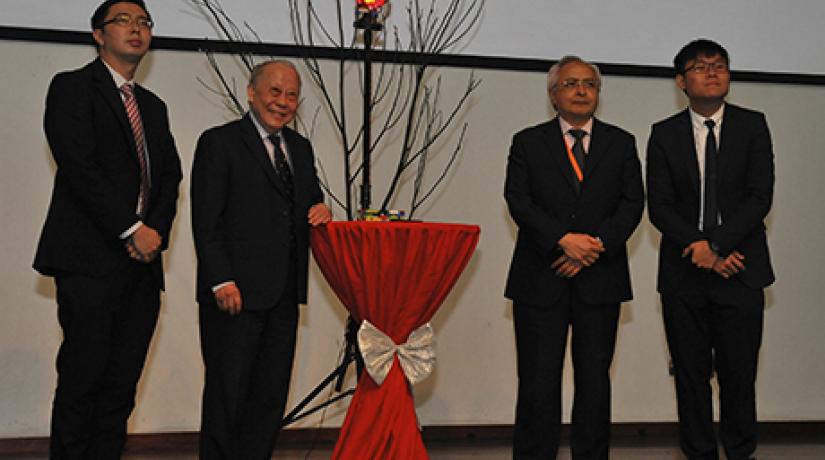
(281, 165)
(578, 153)
(710, 214)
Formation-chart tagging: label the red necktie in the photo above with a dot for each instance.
(133, 113)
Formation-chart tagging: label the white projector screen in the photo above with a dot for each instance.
(761, 35)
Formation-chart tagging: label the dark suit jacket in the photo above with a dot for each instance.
(745, 192)
(541, 195)
(98, 175)
(240, 213)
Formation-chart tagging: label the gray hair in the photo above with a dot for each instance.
(553, 73)
(259, 68)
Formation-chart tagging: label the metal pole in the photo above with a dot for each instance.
(366, 185)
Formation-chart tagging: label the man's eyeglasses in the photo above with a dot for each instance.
(126, 20)
(706, 67)
(572, 83)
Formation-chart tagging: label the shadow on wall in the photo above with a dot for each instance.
(427, 388)
(25, 388)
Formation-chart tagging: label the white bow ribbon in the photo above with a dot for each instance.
(417, 356)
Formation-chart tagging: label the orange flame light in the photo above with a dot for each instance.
(372, 5)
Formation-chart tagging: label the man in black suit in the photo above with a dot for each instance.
(112, 207)
(710, 179)
(574, 189)
(255, 193)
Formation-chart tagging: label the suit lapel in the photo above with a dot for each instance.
(728, 139)
(599, 142)
(295, 156)
(555, 144)
(687, 144)
(106, 86)
(255, 147)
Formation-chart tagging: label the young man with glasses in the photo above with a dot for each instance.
(574, 188)
(112, 207)
(710, 178)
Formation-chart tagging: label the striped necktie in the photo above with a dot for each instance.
(140, 144)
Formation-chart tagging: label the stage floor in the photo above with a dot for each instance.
(786, 450)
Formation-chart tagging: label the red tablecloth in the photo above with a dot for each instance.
(395, 275)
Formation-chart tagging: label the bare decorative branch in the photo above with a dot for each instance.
(402, 97)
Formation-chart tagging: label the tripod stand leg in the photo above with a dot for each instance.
(351, 353)
(351, 337)
(339, 372)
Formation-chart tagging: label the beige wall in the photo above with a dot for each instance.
(474, 382)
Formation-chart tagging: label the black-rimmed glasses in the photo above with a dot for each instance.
(126, 20)
(706, 67)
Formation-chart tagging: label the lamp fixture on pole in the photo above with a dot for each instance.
(367, 18)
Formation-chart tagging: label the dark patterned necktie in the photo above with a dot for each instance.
(710, 214)
(578, 155)
(578, 149)
(281, 165)
(133, 113)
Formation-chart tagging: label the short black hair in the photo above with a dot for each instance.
(100, 13)
(696, 48)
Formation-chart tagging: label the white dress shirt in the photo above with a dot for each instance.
(700, 135)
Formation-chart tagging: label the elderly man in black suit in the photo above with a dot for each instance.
(255, 193)
(114, 199)
(710, 179)
(574, 189)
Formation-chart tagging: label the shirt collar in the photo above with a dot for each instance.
(120, 80)
(258, 126)
(698, 120)
(565, 126)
